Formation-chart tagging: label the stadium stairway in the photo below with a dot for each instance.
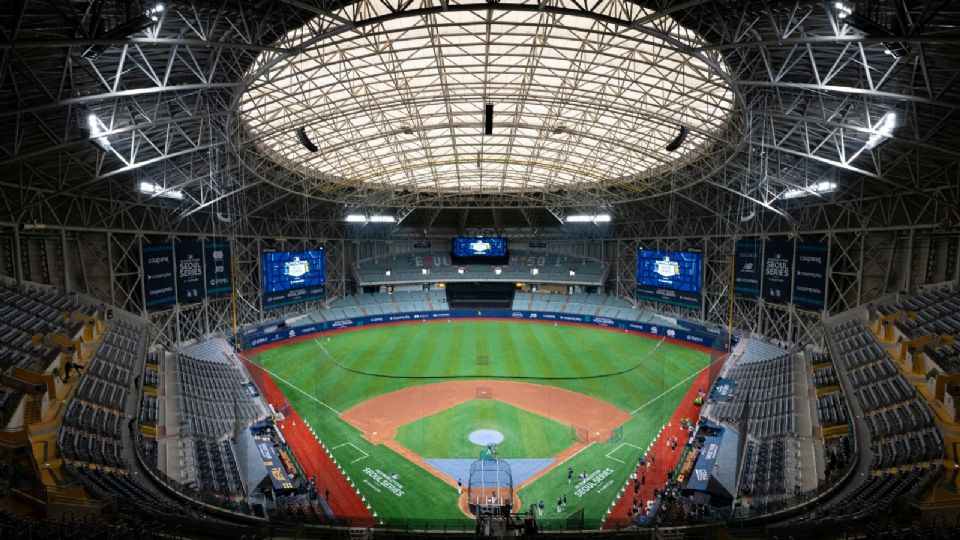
(344, 502)
(665, 460)
(43, 431)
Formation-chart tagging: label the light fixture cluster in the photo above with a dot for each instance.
(882, 130)
(98, 131)
(589, 218)
(150, 188)
(843, 10)
(154, 12)
(814, 189)
(376, 218)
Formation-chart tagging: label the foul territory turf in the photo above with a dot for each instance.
(446, 434)
(324, 377)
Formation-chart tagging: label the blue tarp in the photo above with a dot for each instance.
(723, 389)
(704, 466)
(520, 469)
(281, 481)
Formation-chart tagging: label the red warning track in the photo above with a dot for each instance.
(343, 500)
(664, 458)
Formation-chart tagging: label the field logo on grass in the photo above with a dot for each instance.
(593, 480)
(382, 479)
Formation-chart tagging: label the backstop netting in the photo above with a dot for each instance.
(490, 486)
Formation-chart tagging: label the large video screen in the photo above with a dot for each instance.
(293, 276)
(480, 250)
(490, 246)
(670, 277)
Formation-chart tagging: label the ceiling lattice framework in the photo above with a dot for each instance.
(807, 90)
(397, 103)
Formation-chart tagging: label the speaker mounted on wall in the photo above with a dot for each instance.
(676, 142)
(305, 141)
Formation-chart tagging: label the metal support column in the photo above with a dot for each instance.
(65, 269)
(908, 261)
(110, 270)
(17, 255)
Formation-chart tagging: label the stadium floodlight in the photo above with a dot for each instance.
(883, 130)
(497, 270)
(388, 272)
(815, 189)
(154, 12)
(461, 270)
(149, 188)
(534, 271)
(123, 30)
(573, 272)
(588, 218)
(376, 218)
(98, 131)
(843, 10)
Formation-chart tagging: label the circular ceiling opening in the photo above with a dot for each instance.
(399, 103)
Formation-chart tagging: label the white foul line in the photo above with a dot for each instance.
(619, 447)
(365, 455)
(297, 388)
(672, 388)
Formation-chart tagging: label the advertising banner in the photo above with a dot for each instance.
(810, 275)
(158, 275)
(216, 252)
(777, 269)
(746, 267)
(189, 271)
(255, 337)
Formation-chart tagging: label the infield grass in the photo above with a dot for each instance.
(314, 377)
(446, 434)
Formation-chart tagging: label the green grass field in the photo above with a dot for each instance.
(320, 389)
(445, 434)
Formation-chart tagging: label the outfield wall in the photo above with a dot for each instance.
(266, 334)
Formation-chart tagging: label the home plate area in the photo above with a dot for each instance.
(459, 469)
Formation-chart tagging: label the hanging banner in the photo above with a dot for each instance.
(216, 252)
(777, 269)
(189, 271)
(158, 275)
(810, 276)
(746, 267)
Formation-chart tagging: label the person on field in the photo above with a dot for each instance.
(569, 475)
(558, 504)
(459, 487)
(540, 507)
(564, 501)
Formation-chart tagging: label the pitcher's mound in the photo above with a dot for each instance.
(483, 437)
